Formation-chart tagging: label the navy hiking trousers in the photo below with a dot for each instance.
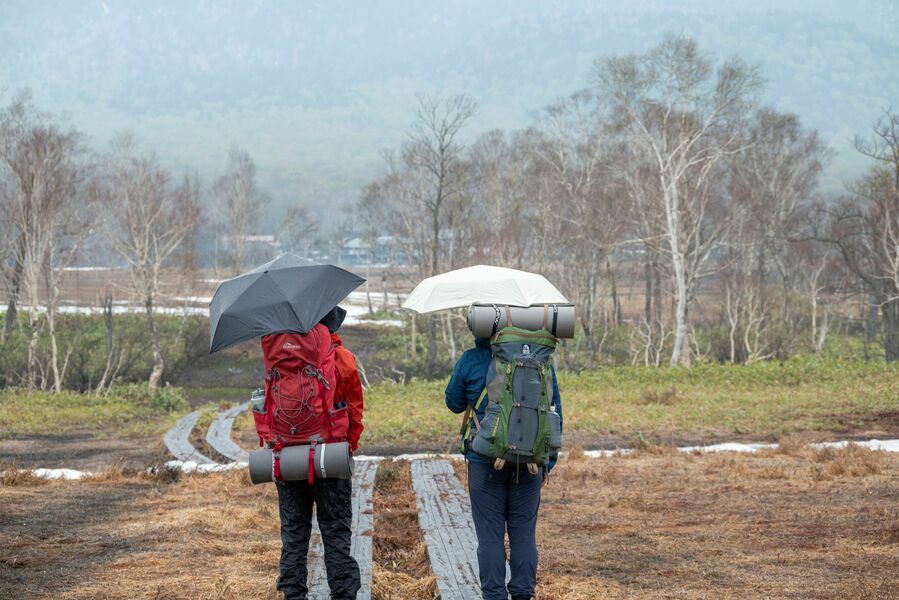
(501, 500)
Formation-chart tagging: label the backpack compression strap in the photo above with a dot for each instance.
(276, 460)
(310, 474)
(471, 415)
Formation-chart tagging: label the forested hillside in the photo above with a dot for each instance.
(315, 92)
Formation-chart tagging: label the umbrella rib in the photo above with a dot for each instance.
(287, 299)
(521, 293)
(428, 299)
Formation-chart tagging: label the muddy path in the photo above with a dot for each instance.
(82, 451)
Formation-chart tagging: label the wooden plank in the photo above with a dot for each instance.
(361, 548)
(444, 513)
(219, 434)
(317, 579)
(364, 521)
(177, 440)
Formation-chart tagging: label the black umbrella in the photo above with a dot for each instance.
(287, 294)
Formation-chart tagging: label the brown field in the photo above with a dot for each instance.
(85, 288)
(795, 523)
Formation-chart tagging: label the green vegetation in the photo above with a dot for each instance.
(83, 339)
(128, 411)
(762, 401)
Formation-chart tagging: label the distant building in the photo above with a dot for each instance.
(384, 250)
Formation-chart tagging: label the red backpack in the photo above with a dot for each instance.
(300, 380)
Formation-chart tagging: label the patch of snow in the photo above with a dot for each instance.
(603, 453)
(67, 474)
(394, 299)
(119, 309)
(198, 299)
(190, 466)
(885, 445)
(729, 447)
(193, 467)
(89, 268)
(355, 314)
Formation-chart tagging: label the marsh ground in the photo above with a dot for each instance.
(791, 523)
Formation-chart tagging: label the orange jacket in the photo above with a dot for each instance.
(349, 389)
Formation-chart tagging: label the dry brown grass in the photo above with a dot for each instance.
(722, 526)
(792, 523)
(400, 568)
(128, 535)
(12, 474)
(667, 396)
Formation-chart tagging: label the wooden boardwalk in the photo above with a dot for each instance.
(219, 434)
(444, 513)
(177, 440)
(219, 437)
(363, 524)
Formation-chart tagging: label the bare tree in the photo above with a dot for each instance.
(298, 229)
(772, 183)
(241, 203)
(148, 218)
(10, 267)
(498, 216)
(46, 217)
(392, 204)
(573, 152)
(684, 116)
(866, 227)
(434, 152)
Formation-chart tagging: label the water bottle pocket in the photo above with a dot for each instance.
(555, 430)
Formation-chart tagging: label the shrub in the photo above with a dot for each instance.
(161, 400)
(83, 339)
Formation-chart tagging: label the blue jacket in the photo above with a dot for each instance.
(468, 381)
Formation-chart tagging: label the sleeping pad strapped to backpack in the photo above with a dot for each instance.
(300, 379)
(520, 424)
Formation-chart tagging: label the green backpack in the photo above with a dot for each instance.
(520, 423)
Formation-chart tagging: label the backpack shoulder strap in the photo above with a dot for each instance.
(471, 413)
(471, 416)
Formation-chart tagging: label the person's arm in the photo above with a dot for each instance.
(557, 402)
(354, 406)
(456, 390)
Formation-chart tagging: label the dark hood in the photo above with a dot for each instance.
(334, 319)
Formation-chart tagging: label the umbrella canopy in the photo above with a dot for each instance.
(287, 294)
(486, 284)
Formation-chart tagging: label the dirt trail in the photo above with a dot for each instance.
(82, 451)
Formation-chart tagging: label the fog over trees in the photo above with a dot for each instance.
(314, 91)
(667, 170)
(682, 212)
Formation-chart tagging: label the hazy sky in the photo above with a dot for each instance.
(314, 90)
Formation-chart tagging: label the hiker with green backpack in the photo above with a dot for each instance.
(511, 434)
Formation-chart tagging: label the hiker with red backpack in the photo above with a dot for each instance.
(314, 397)
(309, 417)
(511, 434)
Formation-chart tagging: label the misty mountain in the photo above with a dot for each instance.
(315, 90)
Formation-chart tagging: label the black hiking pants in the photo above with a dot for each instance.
(332, 500)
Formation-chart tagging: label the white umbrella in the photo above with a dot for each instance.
(484, 284)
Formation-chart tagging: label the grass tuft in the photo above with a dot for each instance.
(400, 569)
(852, 461)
